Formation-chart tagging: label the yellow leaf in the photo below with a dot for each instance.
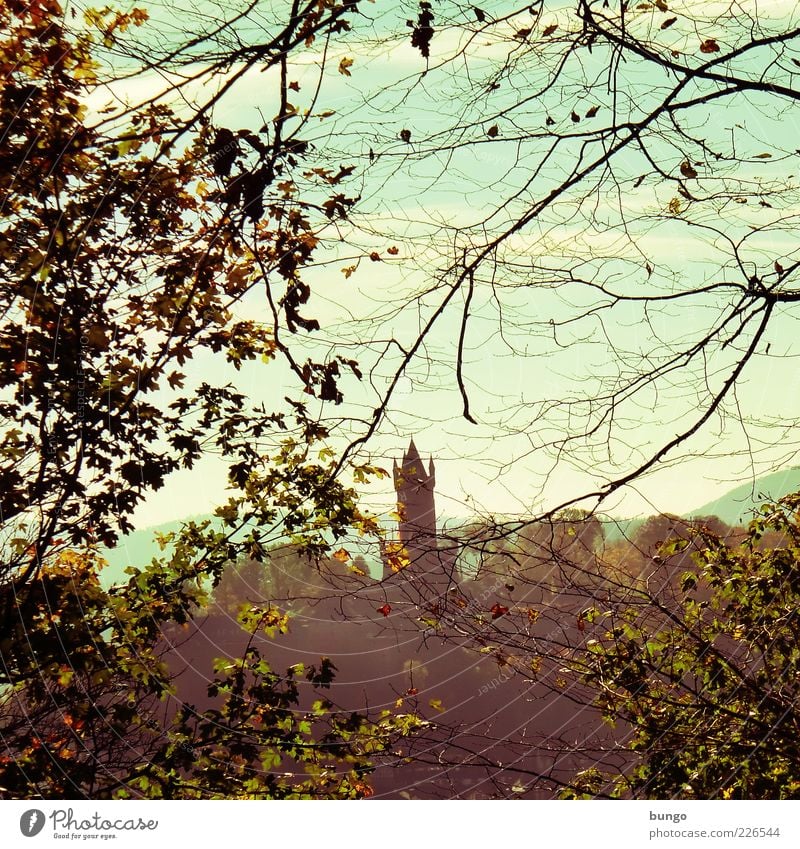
(345, 65)
(341, 555)
(437, 705)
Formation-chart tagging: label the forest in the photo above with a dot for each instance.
(256, 256)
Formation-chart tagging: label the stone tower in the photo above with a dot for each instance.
(415, 504)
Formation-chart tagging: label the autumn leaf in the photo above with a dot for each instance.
(668, 23)
(405, 136)
(422, 31)
(592, 111)
(709, 46)
(393, 250)
(385, 610)
(341, 555)
(348, 270)
(687, 170)
(437, 705)
(492, 131)
(549, 30)
(480, 15)
(375, 256)
(674, 206)
(345, 65)
(497, 610)
(175, 380)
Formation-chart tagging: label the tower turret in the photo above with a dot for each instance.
(415, 501)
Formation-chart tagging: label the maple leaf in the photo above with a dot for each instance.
(385, 610)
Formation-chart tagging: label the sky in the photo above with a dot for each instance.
(542, 345)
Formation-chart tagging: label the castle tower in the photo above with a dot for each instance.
(415, 503)
(415, 486)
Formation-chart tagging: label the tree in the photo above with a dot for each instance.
(91, 715)
(709, 684)
(126, 251)
(583, 144)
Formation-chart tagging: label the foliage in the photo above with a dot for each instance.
(131, 244)
(94, 718)
(708, 684)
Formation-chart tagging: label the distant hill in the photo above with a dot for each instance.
(737, 505)
(139, 548)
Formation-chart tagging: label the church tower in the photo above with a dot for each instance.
(414, 487)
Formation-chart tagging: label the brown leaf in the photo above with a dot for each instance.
(345, 65)
(592, 111)
(687, 170)
(575, 117)
(549, 30)
(393, 250)
(492, 131)
(709, 46)
(668, 23)
(497, 610)
(405, 136)
(341, 555)
(385, 610)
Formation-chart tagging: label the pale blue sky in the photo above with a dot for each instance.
(413, 198)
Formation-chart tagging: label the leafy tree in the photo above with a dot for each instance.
(91, 714)
(707, 682)
(130, 244)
